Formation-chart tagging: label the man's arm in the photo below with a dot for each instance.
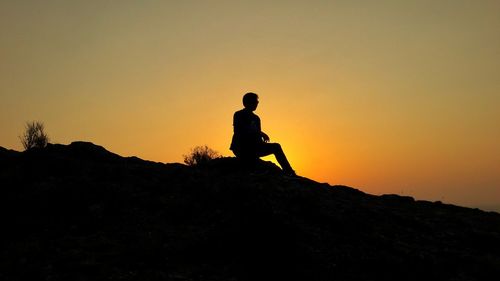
(264, 136)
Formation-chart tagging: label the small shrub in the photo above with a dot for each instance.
(34, 136)
(200, 155)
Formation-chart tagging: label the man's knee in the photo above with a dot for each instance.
(276, 146)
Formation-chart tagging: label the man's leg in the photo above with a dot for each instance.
(275, 148)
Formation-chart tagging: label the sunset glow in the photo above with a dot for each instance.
(385, 96)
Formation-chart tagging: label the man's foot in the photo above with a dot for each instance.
(290, 174)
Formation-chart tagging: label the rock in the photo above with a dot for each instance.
(80, 212)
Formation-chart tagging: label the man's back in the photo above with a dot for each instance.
(247, 130)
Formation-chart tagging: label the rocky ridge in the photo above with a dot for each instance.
(80, 212)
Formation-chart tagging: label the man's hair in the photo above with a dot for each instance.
(249, 98)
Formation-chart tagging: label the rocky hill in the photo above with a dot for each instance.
(80, 212)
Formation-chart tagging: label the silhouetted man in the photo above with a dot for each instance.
(249, 142)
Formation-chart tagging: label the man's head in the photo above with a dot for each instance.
(250, 101)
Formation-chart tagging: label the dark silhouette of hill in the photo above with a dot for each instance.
(80, 212)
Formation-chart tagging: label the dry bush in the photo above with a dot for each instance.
(200, 155)
(34, 136)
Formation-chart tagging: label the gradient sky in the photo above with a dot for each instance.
(385, 96)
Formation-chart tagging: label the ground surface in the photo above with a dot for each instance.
(79, 212)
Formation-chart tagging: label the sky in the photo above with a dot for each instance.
(385, 96)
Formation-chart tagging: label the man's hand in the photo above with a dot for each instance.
(265, 137)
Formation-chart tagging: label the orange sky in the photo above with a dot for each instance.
(386, 96)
